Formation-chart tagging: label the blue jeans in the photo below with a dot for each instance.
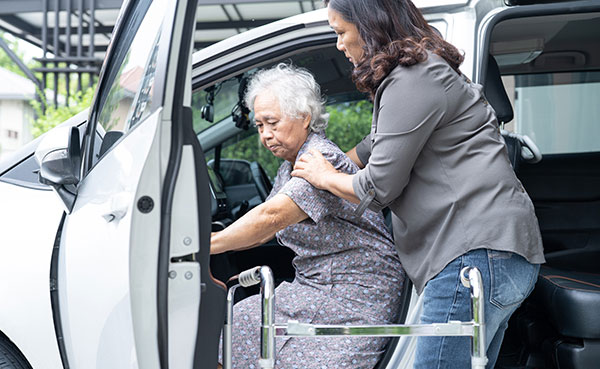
(507, 279)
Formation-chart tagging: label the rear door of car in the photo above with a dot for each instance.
(133, 279)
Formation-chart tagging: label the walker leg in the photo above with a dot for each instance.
(471, 278)
(267, 333)
(227, 328)
(251, 277)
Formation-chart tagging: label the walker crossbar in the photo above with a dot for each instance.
(452, 328)
(470, 277)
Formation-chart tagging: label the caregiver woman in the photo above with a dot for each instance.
(435, 156)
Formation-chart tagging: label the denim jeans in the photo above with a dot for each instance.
(507, 279)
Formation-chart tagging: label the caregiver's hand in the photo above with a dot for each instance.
(313, 167)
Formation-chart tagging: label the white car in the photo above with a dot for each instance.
(105, 221)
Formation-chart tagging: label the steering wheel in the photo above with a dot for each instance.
(262, 181)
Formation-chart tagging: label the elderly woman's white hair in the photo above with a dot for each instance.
(298, 93)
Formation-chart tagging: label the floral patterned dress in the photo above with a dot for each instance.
(347, 272)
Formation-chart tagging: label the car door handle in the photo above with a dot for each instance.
(119, 205)
(115, 215)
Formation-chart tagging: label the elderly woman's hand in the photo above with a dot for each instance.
(313, 167)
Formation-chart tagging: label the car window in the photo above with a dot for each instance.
(128, 94)
(559, 111)
(247, 146)
(349, 122)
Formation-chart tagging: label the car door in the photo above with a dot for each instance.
(133, 287)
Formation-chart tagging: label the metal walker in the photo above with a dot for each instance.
(470, 278)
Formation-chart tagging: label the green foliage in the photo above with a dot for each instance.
(54, 116)
(349, 123)
(247, 146)
(5, 61)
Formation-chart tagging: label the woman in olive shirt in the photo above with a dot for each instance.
(435, 156)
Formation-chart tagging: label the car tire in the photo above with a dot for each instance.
(10, 356)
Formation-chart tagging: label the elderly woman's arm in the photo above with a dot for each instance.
(258, 225)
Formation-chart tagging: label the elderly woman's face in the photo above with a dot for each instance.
(282, 135)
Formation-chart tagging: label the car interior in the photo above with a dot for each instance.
(548, 90)
(544, 83)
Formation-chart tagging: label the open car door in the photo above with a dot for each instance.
(133, 281)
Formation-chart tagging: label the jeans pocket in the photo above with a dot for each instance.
(512, 278)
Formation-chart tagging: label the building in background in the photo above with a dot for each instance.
(16, 113)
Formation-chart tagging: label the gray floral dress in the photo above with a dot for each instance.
(347, 272)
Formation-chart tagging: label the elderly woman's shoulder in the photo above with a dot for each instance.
(320, 142)
(332, 153)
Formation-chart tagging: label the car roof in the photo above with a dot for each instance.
(306, 20)
(309, 19)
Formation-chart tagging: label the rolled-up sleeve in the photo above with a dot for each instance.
(411, 106)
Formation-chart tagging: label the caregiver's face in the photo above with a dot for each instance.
(348, 39)
(282, 135)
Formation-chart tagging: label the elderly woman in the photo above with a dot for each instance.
(347, 270)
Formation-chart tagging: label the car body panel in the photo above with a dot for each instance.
(25, 309)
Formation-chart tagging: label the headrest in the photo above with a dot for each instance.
(495, 93)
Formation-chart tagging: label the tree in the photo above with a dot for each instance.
(5, 61)
(349, 123)
(54, 116)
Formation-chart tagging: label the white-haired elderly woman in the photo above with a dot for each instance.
(347, 269)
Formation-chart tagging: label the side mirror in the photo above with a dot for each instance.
(59, 156)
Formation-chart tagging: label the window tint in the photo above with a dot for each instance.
(127, 96)
(559, 111)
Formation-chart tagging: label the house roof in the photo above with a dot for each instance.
(15, 87)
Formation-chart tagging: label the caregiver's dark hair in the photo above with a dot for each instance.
(395, 33)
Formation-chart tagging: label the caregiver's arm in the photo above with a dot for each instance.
(314, 168)
(258, 225)
(353, 155)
